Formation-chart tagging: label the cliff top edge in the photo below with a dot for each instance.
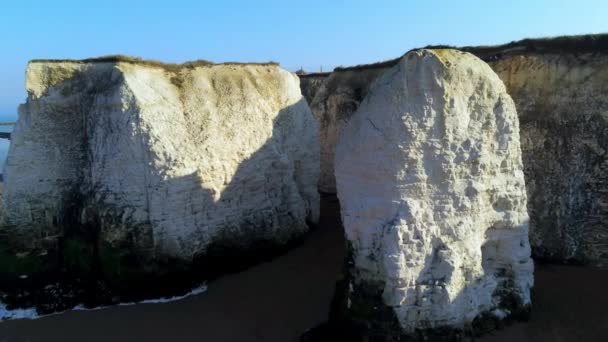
(148, 62)
(588, 43)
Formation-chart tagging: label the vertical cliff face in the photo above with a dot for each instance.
(142, 163)
(334, 102)
(563, 112)
(557, 86)
(310, 84)
(431, 186)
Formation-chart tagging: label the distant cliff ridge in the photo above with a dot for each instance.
(559, 86)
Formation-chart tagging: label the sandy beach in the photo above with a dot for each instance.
(278, 300)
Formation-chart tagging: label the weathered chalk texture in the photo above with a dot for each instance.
(431, 185)
(142, 161)
(563, 110)
(310, 84)
(333, 103)
(557, 85)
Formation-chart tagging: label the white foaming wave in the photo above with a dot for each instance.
(5, 314)
(30, 313)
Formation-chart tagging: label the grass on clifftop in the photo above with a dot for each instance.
(589, 43)
(378, 65)
(147, 62)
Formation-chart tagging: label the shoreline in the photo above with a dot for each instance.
(31, 313)
(278, 300)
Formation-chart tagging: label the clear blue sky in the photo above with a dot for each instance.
(307, 33)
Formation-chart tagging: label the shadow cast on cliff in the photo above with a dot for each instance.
(86, 269)
(359, 313)
(261, 192)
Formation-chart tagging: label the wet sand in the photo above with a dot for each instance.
(278, 300)
(569, 303)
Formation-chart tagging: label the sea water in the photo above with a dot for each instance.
(4, 143)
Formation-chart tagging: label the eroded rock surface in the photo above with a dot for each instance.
(334, 102)
(431, 186)
(124, 168)
(310, 84)
(563, 110)
(557, 85)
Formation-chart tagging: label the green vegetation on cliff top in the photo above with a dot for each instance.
(589, 43)
(147, 62)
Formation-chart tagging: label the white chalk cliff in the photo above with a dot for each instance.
(430, 181)
(561, 100)
(557, 85)
(165, 160)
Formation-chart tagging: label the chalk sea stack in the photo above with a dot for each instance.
(430, 180)
(124, 170)
(557, 85)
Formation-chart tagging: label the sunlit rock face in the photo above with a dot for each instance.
(148, 162)
(558, 87)
(430, 180)
(563, 109)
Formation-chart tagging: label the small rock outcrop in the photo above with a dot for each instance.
(132, 169)
(431, 186)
